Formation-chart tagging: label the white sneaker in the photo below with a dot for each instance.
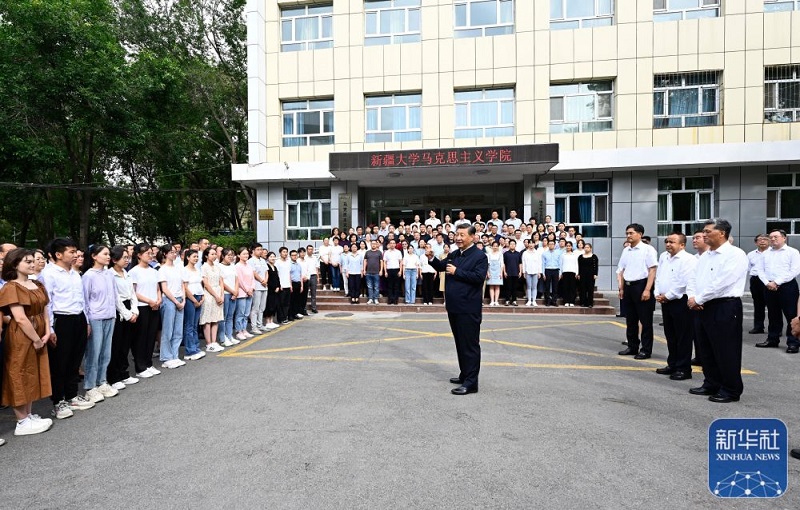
(247, 334)
(36, 417)
(154, 371)
(129, 381)
(534, 303)
(94, 395)
(119, 385)
(298, 316)
(235, 341)
(271, 326)
(144, 375)
(263, 328)
(80, 403)
(170, 364)
(227, 342)
(242, 336)
(107, 391)
(61, 410)
(29, 427)
(180, 362)
(214, 347)
(193, 357)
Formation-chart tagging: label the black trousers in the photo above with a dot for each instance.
(511, 286)
(144, 340)
(678, 329)
(393, 285)
(637, 311)
(466, 328)
(296, 301)
(551, 286)
(427, 287)
(284, 297)
(586, 289)
(304, 296)
(719, 338)
(354, 285)
(324, 273)
(65, 358)
(121, 342)
(569, 285)
(782, 303)
(757, 290)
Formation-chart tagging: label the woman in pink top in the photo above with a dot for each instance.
(244, 301)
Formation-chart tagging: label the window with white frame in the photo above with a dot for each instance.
(672, 10)
(583, 205)
(783, 202)
(782, 93)
(484, 113)
(566, 14)
(781, 5)
(308, 214)
(686, 99)
(478, 18)
(307, 122)
(684, 203)
(581, 107)
(395, 118)
(391, 21)
(307, 28)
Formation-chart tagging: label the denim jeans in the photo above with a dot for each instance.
(98, 352)
(191, 316)
(373, 286)
(411, 285)
(336, 276)
(226, 325)
(243, 305)
(533, 284)
(171, 329)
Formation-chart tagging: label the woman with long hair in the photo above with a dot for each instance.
(495, 274)
(230, 288)
(569, 272)
(273, 291)
(213, 299)
(125, 326)
(193, 290)
(588, 265)
(26, 372)
(245, 276)
(100, 296)
(148, 294)
(170, 278)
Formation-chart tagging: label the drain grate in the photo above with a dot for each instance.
(338, 314)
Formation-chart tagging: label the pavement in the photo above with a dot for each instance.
(352, 411)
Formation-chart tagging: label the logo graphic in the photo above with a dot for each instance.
(747, 458)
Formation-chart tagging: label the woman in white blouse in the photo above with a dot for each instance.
(170, 278)
(193, 290)
(125, 328)
(569, 272)
(148, 293)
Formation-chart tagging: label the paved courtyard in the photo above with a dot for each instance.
(354, 411)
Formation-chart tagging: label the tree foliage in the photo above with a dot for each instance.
(118, 117)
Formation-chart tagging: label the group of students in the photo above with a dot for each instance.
(543, 259)
(69, 315)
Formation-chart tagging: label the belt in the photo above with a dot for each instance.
(721, 300)
(635, 282)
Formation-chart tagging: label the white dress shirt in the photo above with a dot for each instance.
(636, 261)
(569, 261)
(532, 261)
(720, 273)
(325, 253)
(779, 266)
(673, 274)
(754, 257)
(65, 290)
(125, 292)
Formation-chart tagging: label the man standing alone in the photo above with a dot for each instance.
(466, 270)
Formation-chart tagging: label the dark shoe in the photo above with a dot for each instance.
(795, 453)
(767, 343)
(702, 390)
(314, 311)
(456, 380)
(756, 331)
(719, 398)
(305, 313)
(514, 303)
(660, 323)
(463, 390)
(792, 349)
(628, 352)
(642, 355)
(508, 302)
(665, 371)
(624, 342)
(681, 376)
(620, 315)
(696, 362)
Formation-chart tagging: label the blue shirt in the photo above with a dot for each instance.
(296, 272)
(551, 259)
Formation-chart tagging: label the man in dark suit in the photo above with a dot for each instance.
(466, 270)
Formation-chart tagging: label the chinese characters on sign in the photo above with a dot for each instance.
(454, 157)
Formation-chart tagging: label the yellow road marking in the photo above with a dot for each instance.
(337, 344)
(231, 351)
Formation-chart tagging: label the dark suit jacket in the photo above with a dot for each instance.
(464, 289)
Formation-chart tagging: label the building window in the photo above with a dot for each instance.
(477, 18)
(395, 118)
(782, 93)
(783, 202)
(671, 10)
(579, 107)
(781, 5)
(683, 100)
(391, 21)
(684, 203)
(308, 214)
(307, 122)
(484, 113)
(565, 14)
(583, 205)
(307, 28)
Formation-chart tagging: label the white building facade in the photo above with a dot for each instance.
(597, 112)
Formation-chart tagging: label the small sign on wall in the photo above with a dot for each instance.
(345, 211)
(266, 214)
(538, 203)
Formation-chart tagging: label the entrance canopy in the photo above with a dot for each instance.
(444, 166)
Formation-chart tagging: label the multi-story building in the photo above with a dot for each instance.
(596, 112)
